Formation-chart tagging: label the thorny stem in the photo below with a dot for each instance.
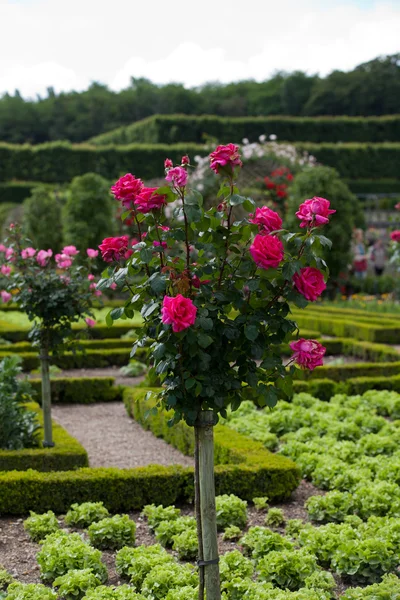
(182, 194)
(224, 262)
(159, 239)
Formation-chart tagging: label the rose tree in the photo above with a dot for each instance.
(54, 292)
(214, 293)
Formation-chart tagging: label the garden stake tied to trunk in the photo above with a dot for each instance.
(54, 293)
(214, 290)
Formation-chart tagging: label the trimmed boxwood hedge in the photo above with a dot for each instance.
(374, 186)
(342, 327)
(67, 453)
(349, 371)
(170, 129)
(16, 333)
(16, 191)
(80, 390)
(244, 468)
(324, 389)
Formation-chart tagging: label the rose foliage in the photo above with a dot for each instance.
(53, 290)
(214, 290)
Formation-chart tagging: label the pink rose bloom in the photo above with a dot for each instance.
(163, 228)
(126, 189)
(157, 244)
(90, 277)
(397, 206)
(185, 160)
(114, 248)
(178, 176)
(113, 286)
(5, 296)
(43, 257)
(63, 261)
(90, 322)
(149, 200)
(267, 251)
(168, 163)
(2, 248)
(28, 252)
(180, 312)
(70, 251)
(314, 212)
(395, 235)
(92, 253)
(9, 253)
(267, 219)
(309, 283)
(97, 293)
(5, 270)
(308, 353)
(225, 156)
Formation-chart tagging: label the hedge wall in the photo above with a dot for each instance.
(345, 328)
(374, 186)
(16, 191)
(80, 390)
(67, 453)
(59, 162)
(171, 129)
(324, 389)
(245, 468)
(349, 371)
(15, 333)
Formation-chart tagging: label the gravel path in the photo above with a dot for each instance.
(112, 439)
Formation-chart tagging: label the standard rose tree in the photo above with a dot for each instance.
(54, 292)
(214, 291)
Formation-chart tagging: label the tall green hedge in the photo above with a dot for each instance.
(60, 161)
(16, 191)
(171, 129)
(80, 390)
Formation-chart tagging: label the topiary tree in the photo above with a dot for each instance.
(325, 182)
(41, 221)
(89, 213)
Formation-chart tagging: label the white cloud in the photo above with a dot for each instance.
(69, 43)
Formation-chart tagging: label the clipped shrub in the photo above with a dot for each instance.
(112, 533)
(231, 510)
(74, 584)
(156, 514)
(186, 544)
(30, 591)
(275, 517)
(165, 577)
(287, 570)
(83, 515)
(62, 552)
(89, 213)
(42, 221)
(38, 526)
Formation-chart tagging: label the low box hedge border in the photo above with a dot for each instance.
(368, 351)
(80, 390)
(20, 334)
(324, 389)
(338, 327)
(349, 371)
(67, 453)
(244, 468)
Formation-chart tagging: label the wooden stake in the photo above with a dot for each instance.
(207, 504)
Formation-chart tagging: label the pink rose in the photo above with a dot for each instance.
(185, 160)
(43, 257)
(149, 200)
(395, 235)
(114, 248)
(267, 219)
(92, 253)
(70, 251)
(9, 253)
(267, 251)
(178, 176)
(126, 189)
(97, 293)
(90, 322)
(225, 158)
(28, 252)
(308, 353)
(397, 206)
(91, 277)
(64, 261)
(314, 212)
(5, 296)
(180, 312)
(168, 163)
(5, 270)
(310, 283)
(113, 286)
(2, 248)
(163, 228)
(157, 244)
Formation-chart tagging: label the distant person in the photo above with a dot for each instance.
(360, 261)
(378, 257)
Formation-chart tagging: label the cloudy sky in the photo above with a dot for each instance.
(67, 44)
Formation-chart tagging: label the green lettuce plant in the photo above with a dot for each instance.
(83, 515)
(38, 526)
(74, 584)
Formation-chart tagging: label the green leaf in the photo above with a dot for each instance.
(189, 383)
(159, 351)
(158, 283)
(117, 313)
(251, 332)
(135, 298)
(148, 309)
(109, 319)
(290, 268)
(204, 340)
(324, 241)
(253, 284)
(205, 323)
(146, 255)
(249, 205)
(235, 200)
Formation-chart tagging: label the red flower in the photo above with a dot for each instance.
(126, 189)
(114, 248)
(225, 158)
(267, 251)
(310, 283)
(148, 200)
(267, 219)
(314, 212)
(395, 235)
(308, 353)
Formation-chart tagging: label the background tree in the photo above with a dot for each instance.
(41, 221)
